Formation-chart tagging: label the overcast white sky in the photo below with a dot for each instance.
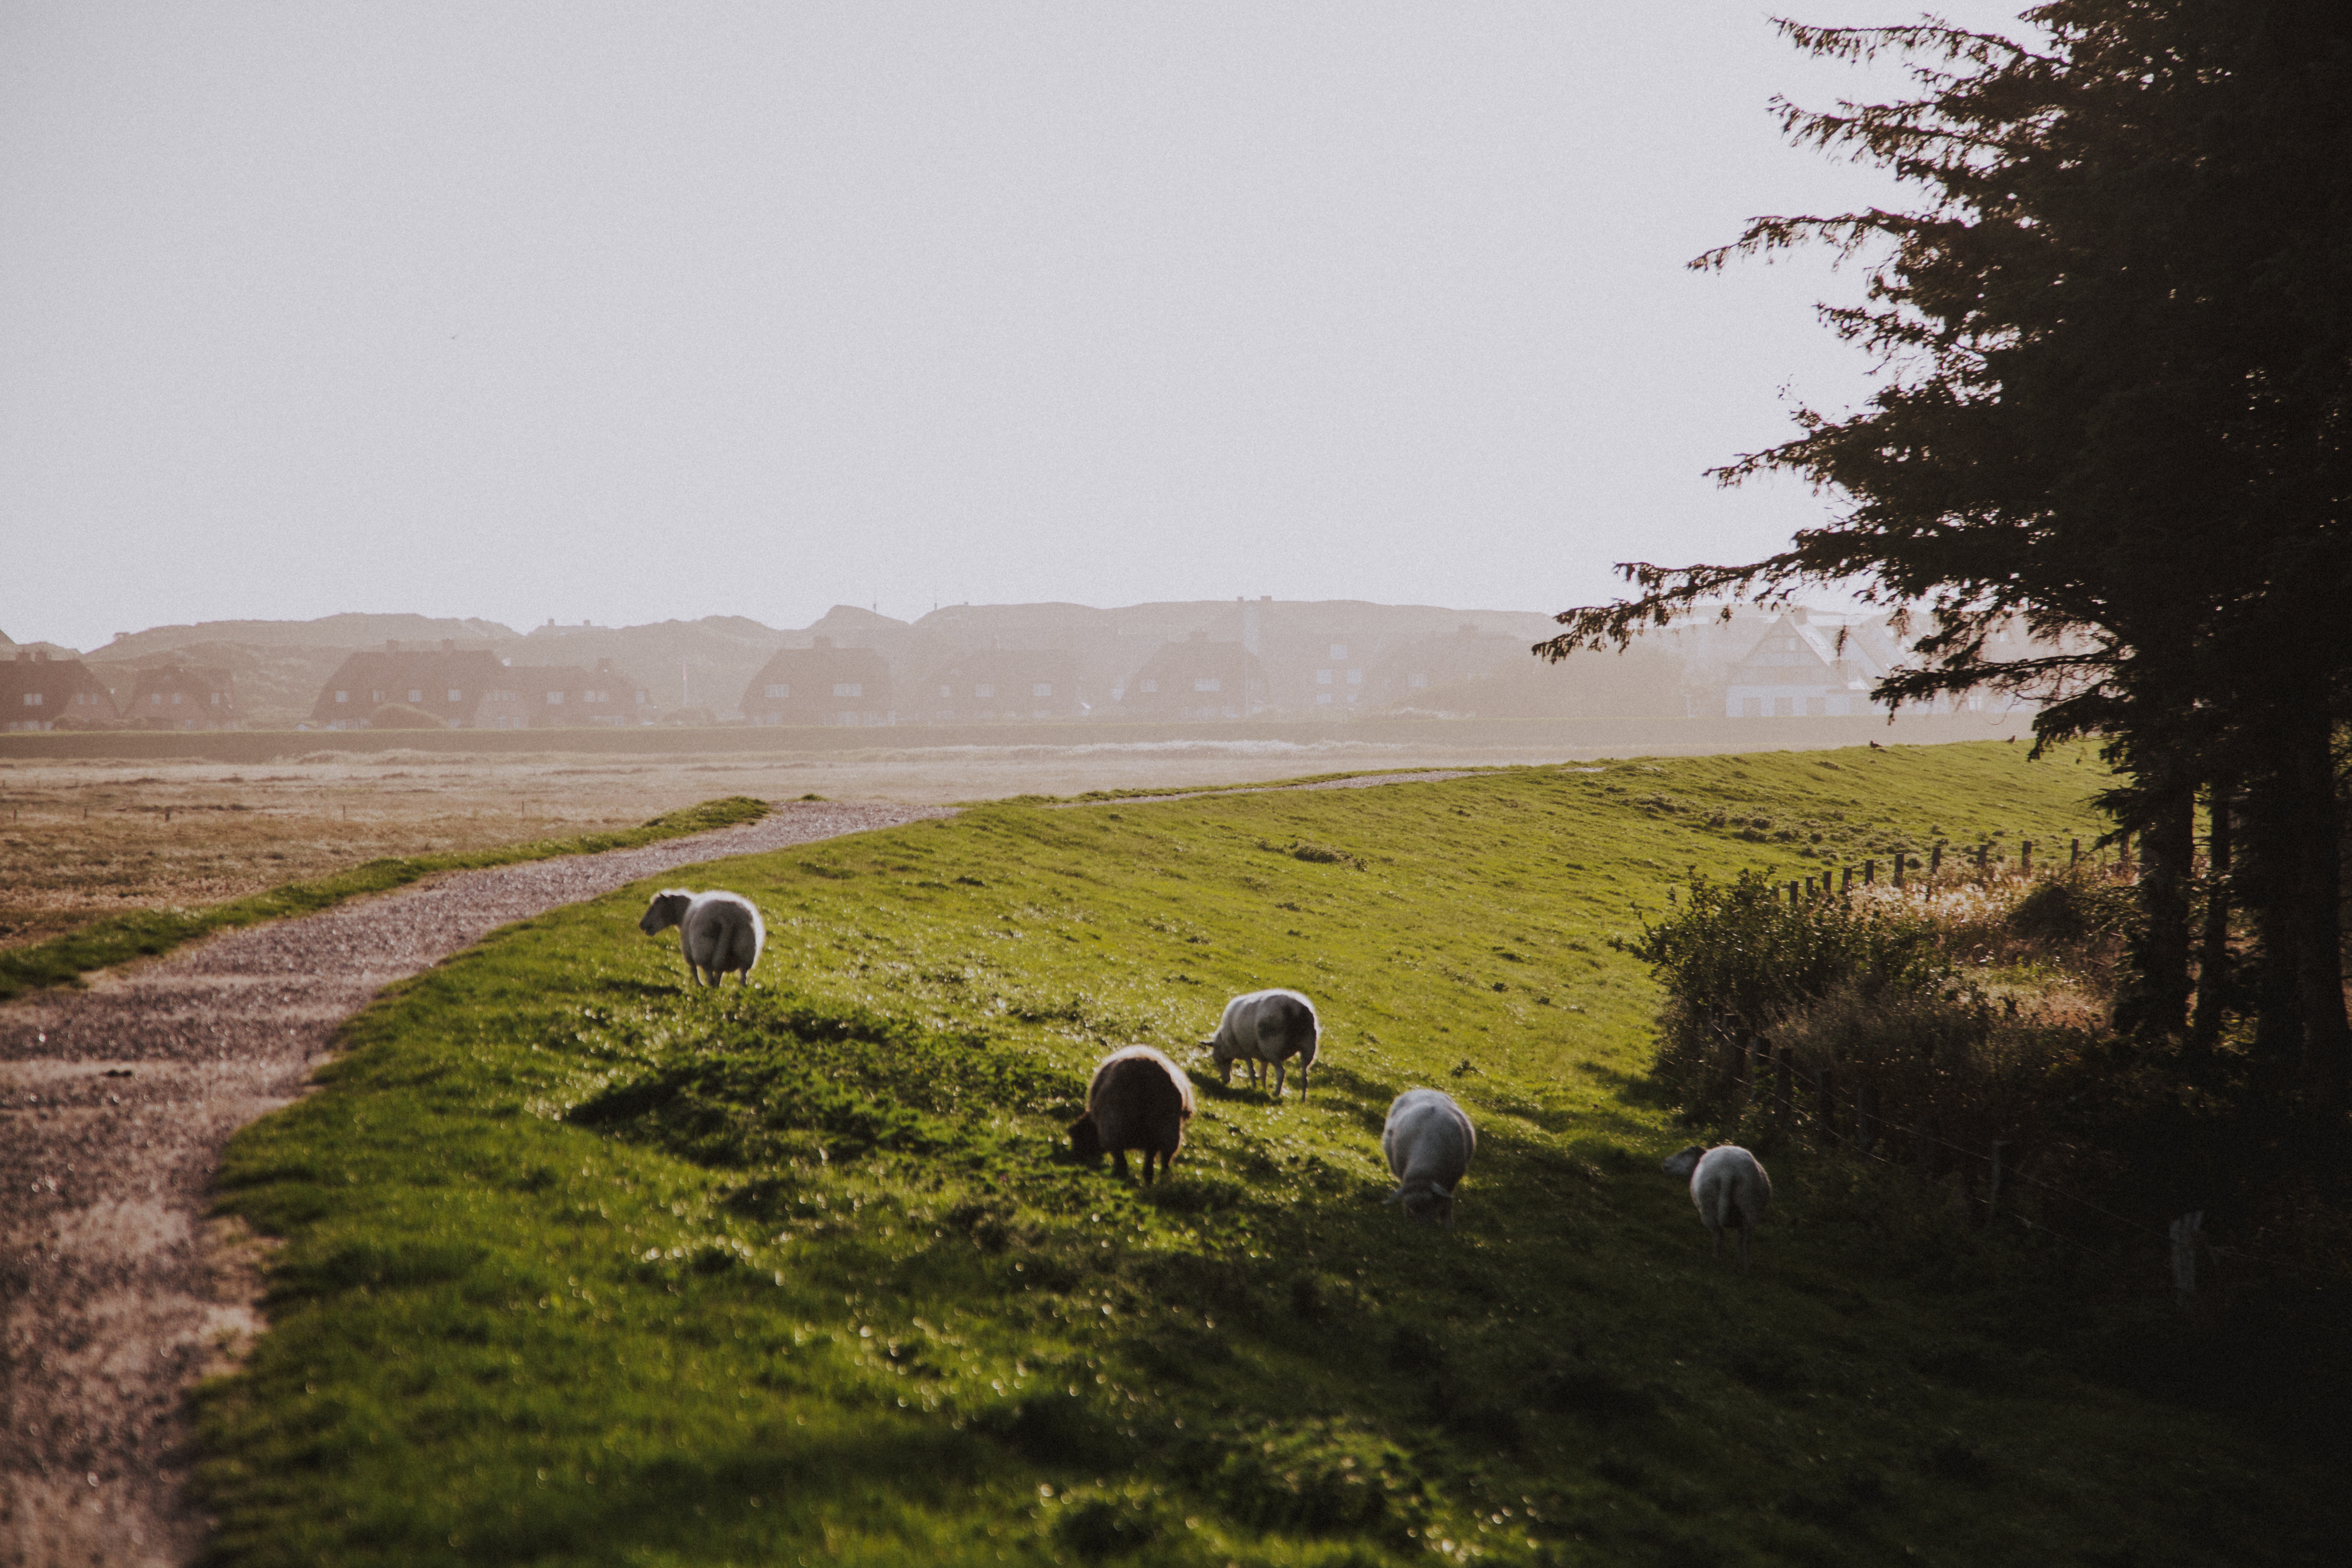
(627, 311)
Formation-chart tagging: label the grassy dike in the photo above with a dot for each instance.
(119, 938)
(583, 1268)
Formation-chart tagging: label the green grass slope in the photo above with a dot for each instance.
(584, 1267)
(118, 939)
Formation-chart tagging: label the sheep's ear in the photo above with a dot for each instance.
(1395, 1197)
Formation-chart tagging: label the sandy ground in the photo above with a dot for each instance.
(80, 840)
(115, 1290)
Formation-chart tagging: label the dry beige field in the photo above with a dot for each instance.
(83, 839)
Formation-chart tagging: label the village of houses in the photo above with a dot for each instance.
(960, 665)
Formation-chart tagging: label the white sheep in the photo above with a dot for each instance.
(1267, 1027)
(1729, 1187)
(717, 932)
(1139, 1099)
(1428, 1141)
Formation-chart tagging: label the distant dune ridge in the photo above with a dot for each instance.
(1177, 661)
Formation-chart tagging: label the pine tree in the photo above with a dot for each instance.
(2116, 404)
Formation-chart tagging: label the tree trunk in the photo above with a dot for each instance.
(2215, 984)
(2156, 1004)
(2288, 877)
(2316, 892)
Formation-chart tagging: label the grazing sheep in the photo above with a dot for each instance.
(717, 932)
(1139, 1099)
(1429, 1141)
(1267, 1027)
(1730, 1188)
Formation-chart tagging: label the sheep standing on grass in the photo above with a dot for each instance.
(1267, 1027)
(1139, 1099)
(1428, 1141)
(717, 932)
(1730, 1188)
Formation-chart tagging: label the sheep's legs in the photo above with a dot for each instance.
(1118, 1163)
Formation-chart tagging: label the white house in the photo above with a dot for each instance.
(1805, 668)
(1809, 666)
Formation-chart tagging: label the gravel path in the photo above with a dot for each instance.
(115, 1290)
(1367, 780)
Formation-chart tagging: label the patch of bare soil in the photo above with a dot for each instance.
(116, 1293)
(81, 840)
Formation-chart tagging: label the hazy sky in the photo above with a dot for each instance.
(628, 311)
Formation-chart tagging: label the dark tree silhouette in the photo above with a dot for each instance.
(2115, 380)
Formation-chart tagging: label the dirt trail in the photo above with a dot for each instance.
(1418, 775)
(115, 1103)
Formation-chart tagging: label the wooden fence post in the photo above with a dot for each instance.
(1869, 873)
(2026, 860)
(2074, 855)
(1900, 856)
(1934, 861)
(1845, 880)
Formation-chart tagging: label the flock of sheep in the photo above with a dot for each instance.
(1141, 1101)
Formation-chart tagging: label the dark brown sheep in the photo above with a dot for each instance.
(1139, 1099)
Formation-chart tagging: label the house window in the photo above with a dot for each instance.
(216, 699)
(849, 688)
(1322, 678)
(175, 699)
(32, 699)
(157, 697)
(555, 699)
(457, 695)
(377, 697)
(1356, 676)
(1418, 682)
(1339, 653)
(1148, 686)
(1208, 683)
(415, 695)
(1322, 696)
(985, 691)
(342, 696)
(778, 693)
(1042, 689)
